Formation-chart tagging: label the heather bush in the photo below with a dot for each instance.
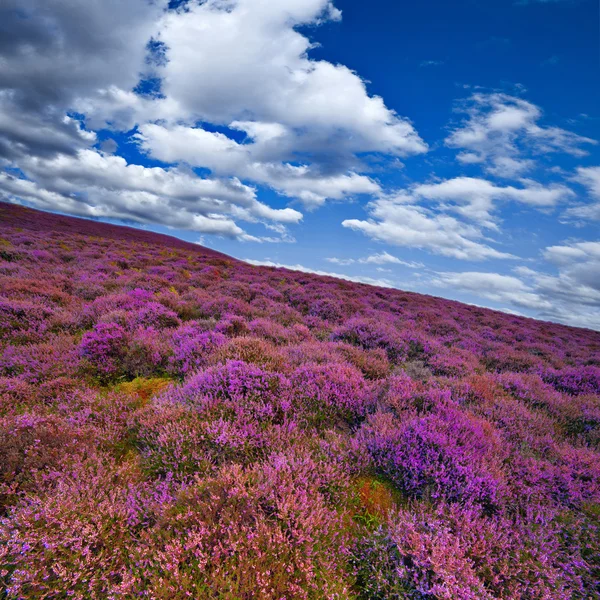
(372, 333)
(88, 289)
(581, 420)
(325, 395)
(574, 381)
(104, 349)
(171, 437)
(31, 444)
(16, 395)
(267, 532)
(147, 354)
(277, 333)
(250, 350)
(192, 347)
(505, 359)
(326, 309)
(238, 382)
(452, 362)
(445, 455)
(75, 538)
(154, 314)
(35, 363)
(456, 552)
(372, 363)
(232, 326)
(23, 321)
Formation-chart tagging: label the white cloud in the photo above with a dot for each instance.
(571, 296)
(253, 66)
(341, 261)
(56, 51)
(509, 167)
(470, 158)
(383, 258)
(305, 119)
(473, 198)
(499, 288)
(395, 222)
(420, 216)
(101, 185)
(140, 207)
(357, 279)
(503, 133)
(590, 178)
(579, 268)
(239, 64)
(224, 156)
(524, 271)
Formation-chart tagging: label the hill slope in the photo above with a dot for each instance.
(175, 423)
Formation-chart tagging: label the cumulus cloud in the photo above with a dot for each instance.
(100, 185)
(448, 217)
(579, 271)
(58, 55)
(590, 178)
(254, 67)
(571, 295)
(256, 161)
(56, 51)
(305, 120)
(474, 198)
(341, 261)
(382, 258)
(239, 67)
(385, 258)
(139, 207)
(500, 288)
(25, 134)
(394, 222)
(503, 133)
(357, 279)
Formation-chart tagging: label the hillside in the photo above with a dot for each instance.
(175, 423)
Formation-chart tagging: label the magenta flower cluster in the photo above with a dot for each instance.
(178, 424)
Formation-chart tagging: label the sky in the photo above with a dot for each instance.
(448, 148)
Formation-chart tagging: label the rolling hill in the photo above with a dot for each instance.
(175, 423)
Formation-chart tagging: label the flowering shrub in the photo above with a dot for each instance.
(192, 346)
(147, 353)
(572, 381)
(371, 333)
(154, 314)
(24, 321)
(325, 394)
(251, 350)
(443, 455)
(104, 348)
(456, 552)
(178, 424)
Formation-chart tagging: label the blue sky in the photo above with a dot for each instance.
(449, 148)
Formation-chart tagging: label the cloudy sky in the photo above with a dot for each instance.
(449, 148)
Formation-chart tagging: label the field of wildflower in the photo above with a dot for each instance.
(175, 424)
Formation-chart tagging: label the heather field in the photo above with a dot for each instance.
(175, 424)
